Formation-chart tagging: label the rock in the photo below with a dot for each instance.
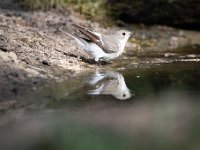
(133, 47)
(176, 42)
(45, 62)
(13, 56)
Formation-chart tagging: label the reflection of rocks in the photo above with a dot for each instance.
(176, 42)
(109, 83)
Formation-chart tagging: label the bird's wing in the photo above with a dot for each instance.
(80, 39)
(110, 86)
(110, 44)
(102, 41)
(83, 38)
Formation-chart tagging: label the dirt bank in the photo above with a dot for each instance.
(31, 50)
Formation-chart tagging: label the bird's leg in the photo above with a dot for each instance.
(97, 61)
(104, 61)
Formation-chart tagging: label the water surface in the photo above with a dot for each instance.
(153, 104)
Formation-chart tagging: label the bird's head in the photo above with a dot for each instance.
(123, 35)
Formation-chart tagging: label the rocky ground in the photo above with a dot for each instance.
(33, 51)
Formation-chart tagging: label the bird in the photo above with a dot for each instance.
(109, 83)
(102, 47)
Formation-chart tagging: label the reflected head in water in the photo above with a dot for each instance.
(109, 83)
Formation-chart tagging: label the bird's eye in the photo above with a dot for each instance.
(124, 95)
(123, 33)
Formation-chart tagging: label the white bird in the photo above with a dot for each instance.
(109, 83)
(99, 46)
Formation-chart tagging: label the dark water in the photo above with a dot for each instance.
(149, 105)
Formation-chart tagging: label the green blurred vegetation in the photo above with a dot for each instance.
(41, 4)
(91, 9)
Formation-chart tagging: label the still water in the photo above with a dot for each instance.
(153, 104)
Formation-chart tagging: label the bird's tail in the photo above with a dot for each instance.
(96, 91)
(76, 38)
(66, 33)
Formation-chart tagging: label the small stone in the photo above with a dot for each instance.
(45, 62)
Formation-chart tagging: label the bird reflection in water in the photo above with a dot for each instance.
(109, 83)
